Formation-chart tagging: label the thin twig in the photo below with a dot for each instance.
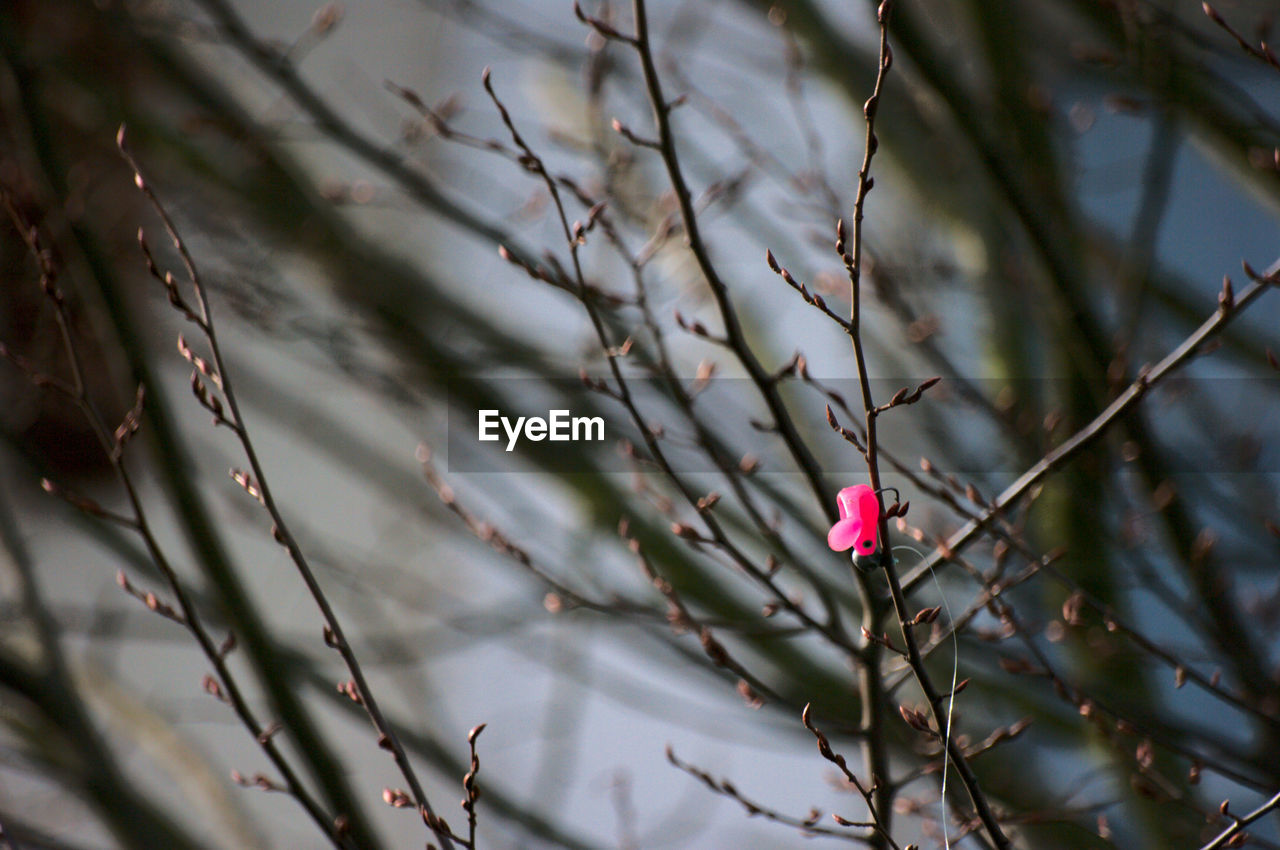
(1261, 51)
(621, 389)
(807, 825)
(335, 635)
(280, 69)
(719, 290)
(190, 618)
(470, 787)
(853, 264)
(1237, 828)
(1090, 433)
(867, 794)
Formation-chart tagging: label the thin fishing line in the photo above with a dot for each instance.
(951, 696)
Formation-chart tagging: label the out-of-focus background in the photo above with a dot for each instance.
(1060, 188)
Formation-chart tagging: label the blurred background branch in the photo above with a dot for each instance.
(1060, 187)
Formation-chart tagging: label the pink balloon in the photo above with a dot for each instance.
(859, 524)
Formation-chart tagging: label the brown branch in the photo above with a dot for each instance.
(867, 793)
(621, 390)
(469, 785)
(1046, 562)
(811, 298)
(1090, 433)
(995, 599)
(335, 634)
(598, 215)
(868, 657)
(186, 615)
(567, 597)
(278, 67)
(719, 290)
(1225, 838)
(807, 825)
(853, 264)
(750, 686)
(1261, 51)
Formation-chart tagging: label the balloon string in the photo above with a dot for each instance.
(951, 697)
